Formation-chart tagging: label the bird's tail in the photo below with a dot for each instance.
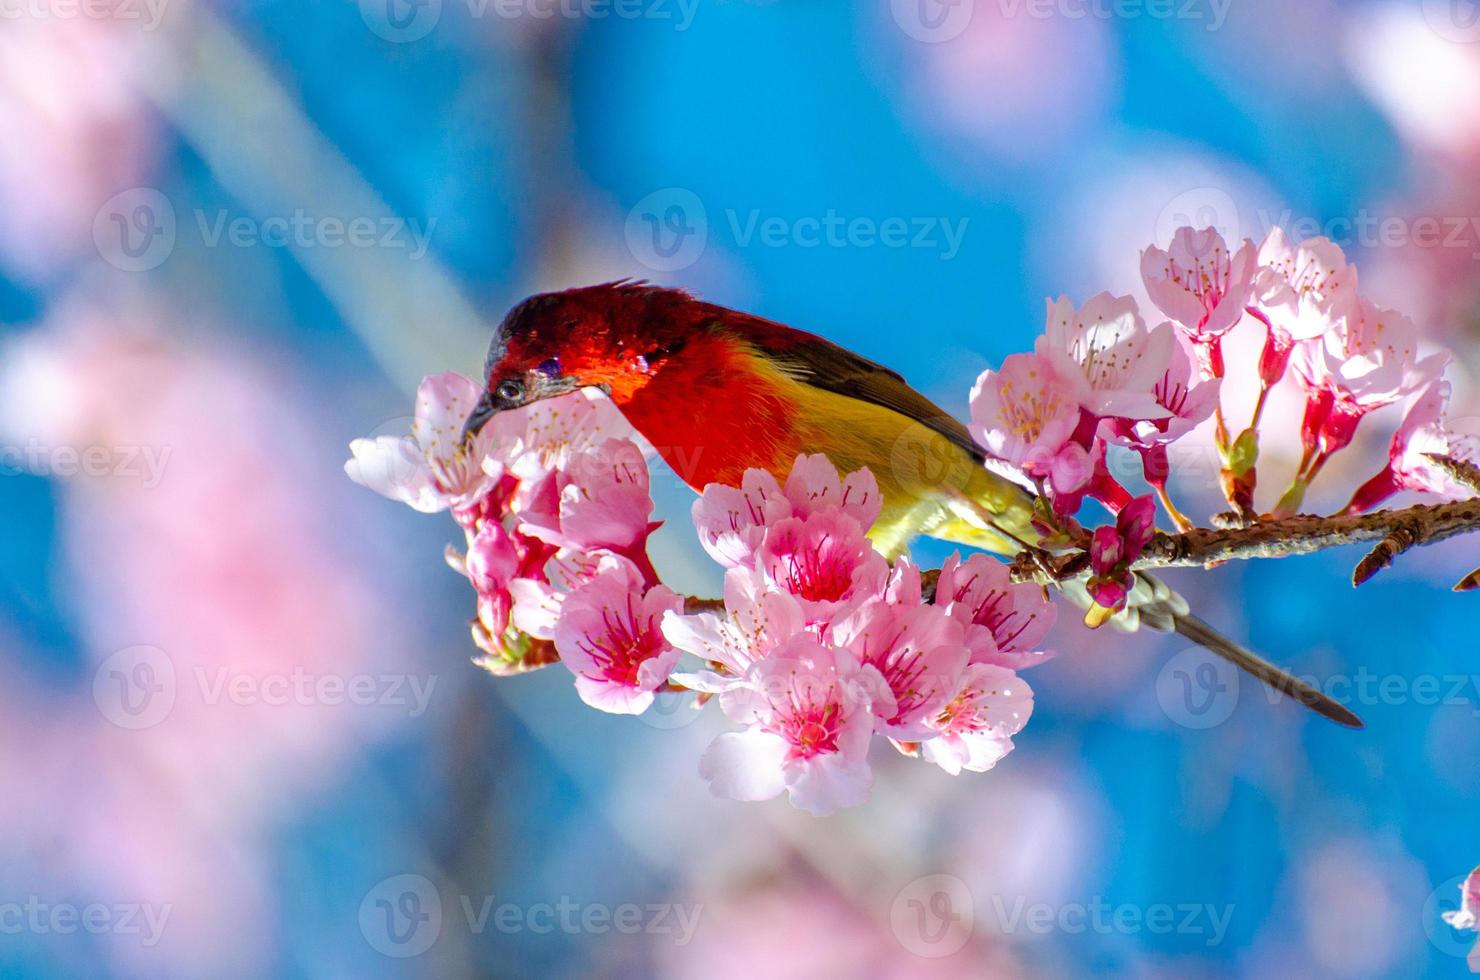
(1154, 605)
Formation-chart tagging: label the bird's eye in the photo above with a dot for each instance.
(510, 391)
(550, 368)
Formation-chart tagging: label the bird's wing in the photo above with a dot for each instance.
(823, 364)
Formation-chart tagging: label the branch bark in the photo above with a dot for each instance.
(1300, 535)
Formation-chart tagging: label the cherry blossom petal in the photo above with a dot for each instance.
(1105, 354)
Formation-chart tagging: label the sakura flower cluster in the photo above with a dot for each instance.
(1107, 373)
(555, 507)
(820, 645)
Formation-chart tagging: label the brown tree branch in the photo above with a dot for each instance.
(1299, 535)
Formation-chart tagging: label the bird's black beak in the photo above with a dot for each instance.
(482, 412)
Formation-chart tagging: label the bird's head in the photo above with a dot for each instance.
(612, 336)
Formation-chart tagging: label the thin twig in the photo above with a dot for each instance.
(1403, 537)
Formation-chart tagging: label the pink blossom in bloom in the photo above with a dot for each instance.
(825, 560)
(1106, 356)
(547, 435)
(539, 592)
(1006, 622)
(1304, 289)
(1113, 549)
(919, 650)
(1026, 417)
(814, 485)
(431, 469)
(809, 709)
(974, 730)
(1422, 433)
(610, 636)
(732, 521)
(1369, 359)
(1198, 283)
(600, 500)
(1188, 399)
(757, 620)
(1300, 293)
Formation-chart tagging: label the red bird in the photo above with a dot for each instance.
(717, 392)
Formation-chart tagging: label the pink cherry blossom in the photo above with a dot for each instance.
(757, 620)
(1369, 359)
(610, 636)
(1198, 283)
(974, 730)
(809, 712)
(1026, 417)
(1189, 399)
(1422, 433)
(1006, 622)
(1106, 356)
(599, 500)
(919, 650)
(546, 435)
(431, 469)
(825, 560)
(814, 485)
(1306, 289)
(732, 521)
